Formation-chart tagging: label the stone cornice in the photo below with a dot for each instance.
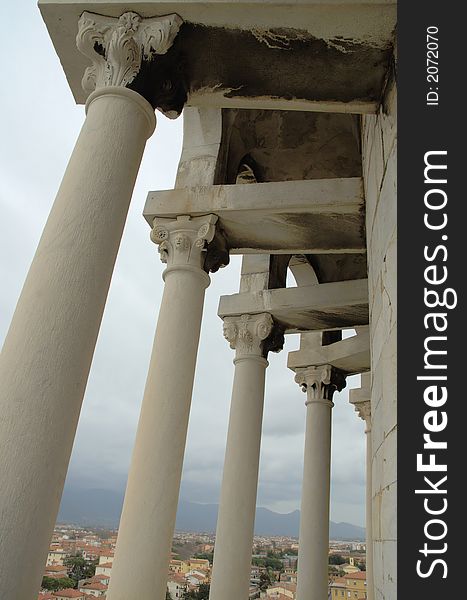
(320, 383)
(187, 242)
(117, 46)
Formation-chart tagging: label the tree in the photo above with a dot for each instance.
(79, 568)
(201, 594)
(274, 563)
(205, 555)
(264, 580)
(53, 584)
(336, 559)
(258, 562)
(167, 595)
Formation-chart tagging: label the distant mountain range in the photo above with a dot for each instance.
(103, 507)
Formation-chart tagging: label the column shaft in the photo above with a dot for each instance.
(48, 350)
(312, 580)
(148, 520)
(235, 524)
(320, 384)
(360, 398)
(369, 518)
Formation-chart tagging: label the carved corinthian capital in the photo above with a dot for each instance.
(320, 383)
(247, 333)
(117, 46)
(188, 242)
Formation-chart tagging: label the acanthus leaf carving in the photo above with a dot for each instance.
(246, 333)
(184, 241)
(123, 52)
(117, 46)
(320, 382)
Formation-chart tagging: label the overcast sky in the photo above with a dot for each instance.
(39, 126)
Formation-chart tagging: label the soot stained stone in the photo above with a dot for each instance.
(239, 64)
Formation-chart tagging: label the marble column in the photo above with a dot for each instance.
(250, 336)
(48, 350)
(360, 398)
(148, 520)
(320, 383)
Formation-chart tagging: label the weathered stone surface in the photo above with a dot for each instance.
(344, 48)
(289, 217)
(378, 568)
(389, 558)
(379, 172)
(339, 74)
(276, 146)
(341, 305)
(285, 145)
(202, 132)
(390, 468)
(338, 266)
(351, 355)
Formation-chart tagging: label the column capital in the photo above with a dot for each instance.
(320, 383)
(252, 335)
(190, 243)
(117, 46)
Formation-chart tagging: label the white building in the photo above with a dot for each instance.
(177, 586)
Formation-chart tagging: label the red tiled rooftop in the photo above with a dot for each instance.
(358, 575)
(177, 578)
(99, 577)
(68, 593)
(94, 585)
(287, 585)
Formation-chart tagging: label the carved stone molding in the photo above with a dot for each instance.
(360, 399)
(363, 409)
(186, 242)
(320, 383)
(247, 333)
(118, 46)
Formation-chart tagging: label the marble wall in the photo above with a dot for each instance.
(379, 149)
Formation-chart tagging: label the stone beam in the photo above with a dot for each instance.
(202, 133)
(327, 306)
(361, 398)
(288, 217)
(219, 99)
(351, 355)
(256, 48)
